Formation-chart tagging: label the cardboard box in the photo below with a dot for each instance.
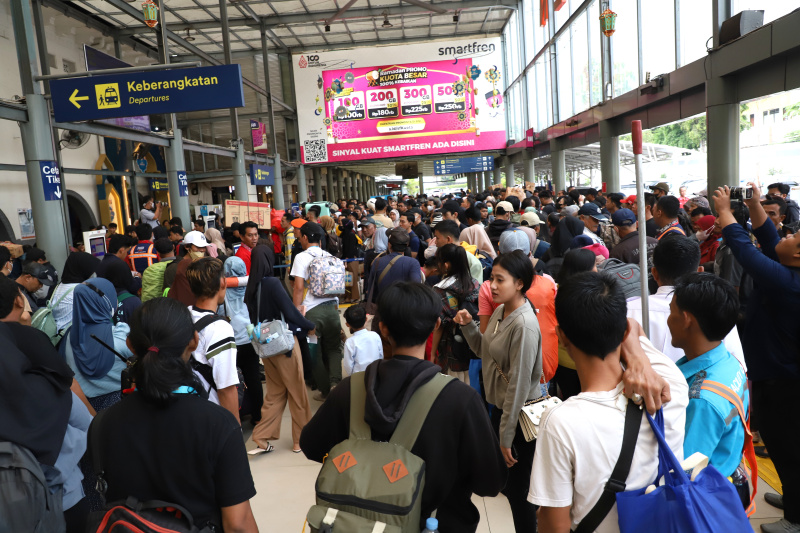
(258, 212)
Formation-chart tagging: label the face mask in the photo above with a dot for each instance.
(196, 255)
(430, 208)
(41, 294)
(489, 209)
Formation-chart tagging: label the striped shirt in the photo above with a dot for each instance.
(216, 348)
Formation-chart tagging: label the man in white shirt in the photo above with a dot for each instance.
(321, 310)
(150, 212)
(581, 439)
(673, 258)
(217, 345)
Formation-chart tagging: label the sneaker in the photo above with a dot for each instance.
(781, 526)
(319, 397)
(775, 500)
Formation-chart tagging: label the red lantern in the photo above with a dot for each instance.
(150, 11)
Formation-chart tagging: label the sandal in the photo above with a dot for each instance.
(296, 451)
(266, 449)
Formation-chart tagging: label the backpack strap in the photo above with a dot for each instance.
(407, 430)
(206, 321)
(748, 449)
(387, 269)
(359, 429)
(616, 482)
(124, 296)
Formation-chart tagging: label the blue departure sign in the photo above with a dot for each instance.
(262, 175)
(51, 180)
(183, 183)
(463, 164)
(147, 93)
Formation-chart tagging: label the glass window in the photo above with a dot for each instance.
(772, 10)
(512, 47)
(564, 80)
(529, 27)
(544, 103)
(595, 54)
(530, 79)
(658, 36)
(561, 15)
(696, 29)
(540, 33)
(625, 47)
(580, 63)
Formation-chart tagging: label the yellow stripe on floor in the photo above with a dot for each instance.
(766, 471)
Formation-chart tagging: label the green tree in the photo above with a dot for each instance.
(412, 187)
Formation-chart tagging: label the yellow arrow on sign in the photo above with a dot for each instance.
(74, 98)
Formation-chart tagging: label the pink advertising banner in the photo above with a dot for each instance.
(258, 133)
(404, 110)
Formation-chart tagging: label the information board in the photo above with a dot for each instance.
(258, 212)
(372, 103)
(447, 166)
(51, 180)
(262, 175)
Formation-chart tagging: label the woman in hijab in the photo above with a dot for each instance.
(394, 214)
(79, 267)
(97, 369)
(246, 358)
(216, 244)
(380, 243)
(476, 236)
(266, 299)
(350, 251)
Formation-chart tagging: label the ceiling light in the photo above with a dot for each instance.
(327, 27)
(386, 23)
(188, 37)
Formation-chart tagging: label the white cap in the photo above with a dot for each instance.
(196, 238)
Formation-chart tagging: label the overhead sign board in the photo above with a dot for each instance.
(481, 163)
(51, 180)
(371, 103)
(159, 184)
(183, 183)
(97, 60)
(262, 175)
(147, 93)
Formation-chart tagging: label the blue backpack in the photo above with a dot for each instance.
(486, 262)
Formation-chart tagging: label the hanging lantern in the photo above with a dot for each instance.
(607, 22)
(150, 11)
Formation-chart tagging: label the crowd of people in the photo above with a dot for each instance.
(140, 369)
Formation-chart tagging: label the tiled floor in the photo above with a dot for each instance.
(285, 485)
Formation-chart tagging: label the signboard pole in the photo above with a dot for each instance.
(302, 185)
(176, 179)
(37, 144)
(239, 173)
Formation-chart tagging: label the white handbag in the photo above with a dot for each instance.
(271, 337)
(532, 411)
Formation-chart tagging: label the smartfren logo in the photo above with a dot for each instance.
(469, 49)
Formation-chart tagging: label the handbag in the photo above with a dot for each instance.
(271, 337)
(530, 416)
(709, 503)
(370, 306)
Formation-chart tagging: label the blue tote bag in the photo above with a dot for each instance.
(707, 504)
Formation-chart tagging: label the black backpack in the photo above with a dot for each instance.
(334, 245)
(206, 370)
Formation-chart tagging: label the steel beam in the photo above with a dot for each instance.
(9, 111)
(112, 131)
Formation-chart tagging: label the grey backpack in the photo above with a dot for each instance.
(26, 502)
(626, 274)
(368, 486)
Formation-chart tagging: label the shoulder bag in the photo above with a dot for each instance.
(372, 307)
(271, 337)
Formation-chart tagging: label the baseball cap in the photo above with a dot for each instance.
(369, 220)
(664, 186)
(580, 241)
(298, 222)
(505, 206)
(571, 210)
(629, 200)
(35, 254)
(398, 237)
(531, 218)
(592, 210)
(623, 217)
(196, 238)
(598, 249)
(514, 240)
(39, 272)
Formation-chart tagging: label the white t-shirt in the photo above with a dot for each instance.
(300, 270)
(217, 348)
(660, 335)
(360, 350)
(581, 439)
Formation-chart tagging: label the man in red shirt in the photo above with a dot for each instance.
(249, 233)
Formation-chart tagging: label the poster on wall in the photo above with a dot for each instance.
(26, 229)
(370, 103)
(258, 133)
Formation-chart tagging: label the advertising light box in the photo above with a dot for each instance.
(374, 103)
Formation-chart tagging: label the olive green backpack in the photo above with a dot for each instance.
(366, 486)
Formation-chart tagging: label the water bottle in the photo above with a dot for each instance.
(431, 526)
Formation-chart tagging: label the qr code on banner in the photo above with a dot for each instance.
(316, 151)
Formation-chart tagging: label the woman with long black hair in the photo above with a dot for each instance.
(350, 251)
(166, 441)
(283, 373)
(511, 351)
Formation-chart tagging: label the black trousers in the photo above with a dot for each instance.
(519, 478)
(776, 404)
(76, 516)
(247, 361)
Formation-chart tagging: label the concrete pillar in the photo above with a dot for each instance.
(422, 184)
(176, 164)
(277, 190)
(722, 118)
(330, 191)
(498, 173)
(340, 183)
(609, 158)
(348, 186)
(302, 185)
(559, 164)
(317, 172)
(240, 173)
(509, 171)
(362, 190)
(529, 168)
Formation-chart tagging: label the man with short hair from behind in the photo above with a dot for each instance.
(380, 213)
(703, 312)
(216, 347)
(580, 440)
(115, 267)
(143, 254)
(153, 276)
(460, 450)
(249, 232)
(782, 190)
(313, 212)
